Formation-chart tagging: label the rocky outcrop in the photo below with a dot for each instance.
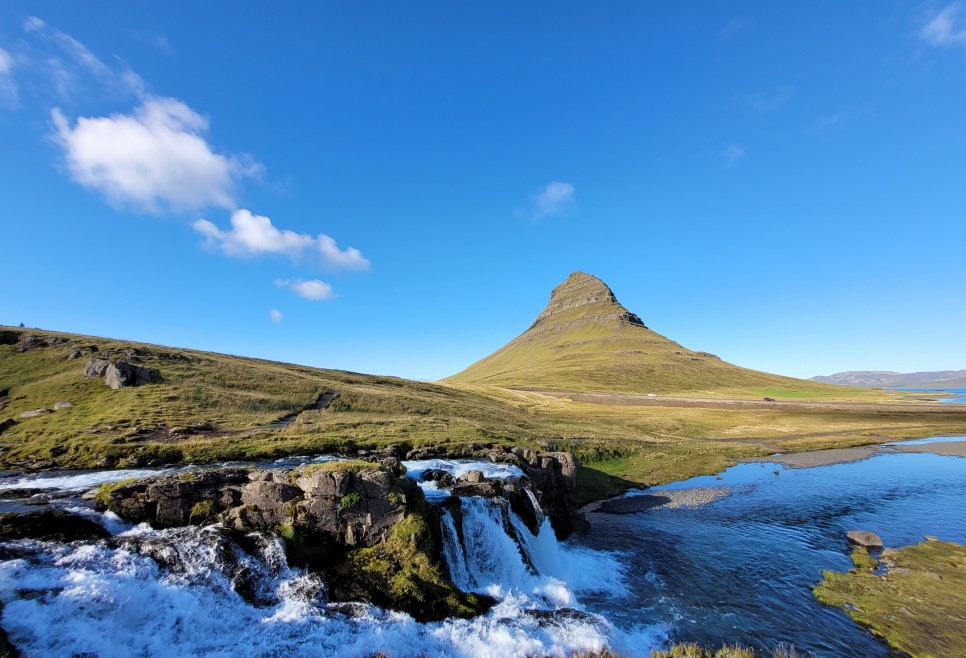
(864, 538)
(6, 424)
(370, 531)
(331, 505)
(32, 342)
(8, 337)
(121, 374)
(33, 413)
(554, 479)
(95, 368)
(50, 525)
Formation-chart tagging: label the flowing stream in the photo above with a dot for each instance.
(737, 569)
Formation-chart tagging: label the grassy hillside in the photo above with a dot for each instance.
(586, 341)
(213, 407)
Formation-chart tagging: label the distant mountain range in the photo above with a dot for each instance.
(884, 378)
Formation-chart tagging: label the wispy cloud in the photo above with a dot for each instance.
(252, 235)
(275, 315)
(554, 199)
(9, 96)
(154, 159)
(312, 289)
(73, 62)
(766, 101)
(732, 154)
(947, 27)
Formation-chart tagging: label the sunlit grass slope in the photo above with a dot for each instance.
(586, 341)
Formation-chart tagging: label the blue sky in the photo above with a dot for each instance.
(395, 187)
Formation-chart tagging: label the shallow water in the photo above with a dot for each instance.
(741, 569)
(958, 393)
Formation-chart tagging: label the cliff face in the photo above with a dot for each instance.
(363, 525)
(585, 340)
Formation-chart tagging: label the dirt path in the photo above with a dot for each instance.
(823, 406)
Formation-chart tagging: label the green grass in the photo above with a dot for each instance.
(214, 407)
(595, 347)
(918, 608)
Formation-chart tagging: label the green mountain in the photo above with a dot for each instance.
(584, 340)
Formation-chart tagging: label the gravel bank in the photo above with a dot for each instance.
(946, 448)
(667, 499)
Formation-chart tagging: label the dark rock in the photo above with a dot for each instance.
(95, 368)
(8, 337)
(442, 478)
(50, 525)
(864, 538)
(32, 342)
(121, 374)
(14, 494)
(6, 424)
(487, 489)
(554, 478)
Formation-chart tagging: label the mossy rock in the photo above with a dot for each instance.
(403, 573)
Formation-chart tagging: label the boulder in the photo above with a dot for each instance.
(473, 477)
(50, 525)
(442, 478)
(487, 489)
(33, 413)
(122, 374)
(62, 404)
(95, 368)
(864, 538)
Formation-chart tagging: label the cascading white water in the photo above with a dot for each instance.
(197, 592)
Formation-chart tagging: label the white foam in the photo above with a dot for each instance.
(114, 603)
(458, 467)
(77, 481)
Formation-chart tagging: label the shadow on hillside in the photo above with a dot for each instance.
(594, 484)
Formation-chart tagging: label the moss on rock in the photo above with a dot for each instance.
(918, 605)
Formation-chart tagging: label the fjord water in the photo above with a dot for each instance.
(739, 569)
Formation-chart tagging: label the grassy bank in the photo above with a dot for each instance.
(918, 606)
(212, 407)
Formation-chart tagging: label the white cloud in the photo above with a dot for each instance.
(80, 61)
(312, 289)
(252, 235)
(947, 28)
(555, 198)
(152, 159)
(8, 85)
(732, 154)
(275, 315)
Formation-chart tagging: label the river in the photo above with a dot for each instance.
(737, 569)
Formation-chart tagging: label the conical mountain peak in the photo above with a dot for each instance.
(584, 340)
(584, 290)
